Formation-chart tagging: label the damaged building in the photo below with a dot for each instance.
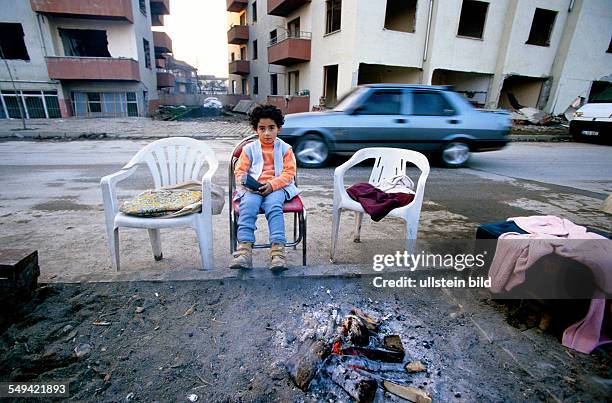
(79, 58)
(300, 54)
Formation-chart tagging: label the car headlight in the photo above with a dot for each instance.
(578, 114)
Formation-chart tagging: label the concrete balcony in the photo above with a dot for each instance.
(160, 63)
(283, 8)
(290, 50)
(236, 6)
(159, 8)
(238, 35)
(97, 9)
(92, 68)
(290, 103)
(165, 79)
(240, 67)
(162, 42)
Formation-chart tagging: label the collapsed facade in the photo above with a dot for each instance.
(506, 53)
(81, 58)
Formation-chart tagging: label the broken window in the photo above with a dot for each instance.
(255, 85)
(273, 37)
(143, 6)
(541, 27)
(273, 84)
(255, 49)
(401, 15)
(333, 14)
(254, 11)
(12, 44)
(84, 42)
(147, 53)
(243, 53)
(472, 19)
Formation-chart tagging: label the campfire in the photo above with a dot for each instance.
(359, 354)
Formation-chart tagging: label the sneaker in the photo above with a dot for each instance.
(243, 257)
(278, 262)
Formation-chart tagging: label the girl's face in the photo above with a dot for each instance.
(267, 130)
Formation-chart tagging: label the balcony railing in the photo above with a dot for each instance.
(92, 68)
(100, 9)
(290, 103)
(238, 34)
(289, 48)
(236, 5)
(282, 8)
(240, 67)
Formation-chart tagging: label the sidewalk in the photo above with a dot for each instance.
(234, 126)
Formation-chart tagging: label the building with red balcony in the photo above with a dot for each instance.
(81, 58)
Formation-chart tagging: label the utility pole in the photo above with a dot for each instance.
(17, 97)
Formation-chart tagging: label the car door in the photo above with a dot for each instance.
(432, 119)
(378, 120)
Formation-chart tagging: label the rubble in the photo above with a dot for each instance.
(415, 366)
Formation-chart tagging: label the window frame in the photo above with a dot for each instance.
(429, 91)
(22, 38)
(146, 47)
(546, 44)
(329, 13)
(255, 50)
(484, 24)
(254, 12)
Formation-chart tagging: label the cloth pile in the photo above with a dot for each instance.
(378, 201)
(516, 253)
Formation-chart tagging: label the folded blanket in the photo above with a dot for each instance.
(375, 202)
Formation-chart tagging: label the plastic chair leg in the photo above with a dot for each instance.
(205, 240)
(358, 223)
(113, 246)
(155, 239)
(335, 227)
(303, 230)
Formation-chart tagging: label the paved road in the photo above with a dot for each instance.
(577, 165)
(50, 200)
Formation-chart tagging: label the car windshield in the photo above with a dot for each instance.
(603, 97)
(348, 101)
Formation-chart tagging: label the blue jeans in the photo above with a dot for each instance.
(272, 206)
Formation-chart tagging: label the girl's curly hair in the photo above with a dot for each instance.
(266, 112)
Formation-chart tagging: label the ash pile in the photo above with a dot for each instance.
(356, 357)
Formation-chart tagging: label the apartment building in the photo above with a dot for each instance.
(79, 58)
(185, 76)
(301, 53)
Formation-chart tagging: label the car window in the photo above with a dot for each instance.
(348, 100)
(386, 102)
(426, 103)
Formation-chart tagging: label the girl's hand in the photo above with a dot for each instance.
(265, 189)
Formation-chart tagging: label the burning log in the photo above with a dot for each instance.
(304, 365)
(371, 323)
(407, 392)
(355, 329)
(376, 354)
(359, 387)
(394, 342)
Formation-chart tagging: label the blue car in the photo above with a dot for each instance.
(429, 119)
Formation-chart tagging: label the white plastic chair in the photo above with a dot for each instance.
(170, 161)
(388, 163)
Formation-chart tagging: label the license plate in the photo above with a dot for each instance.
(590, 133)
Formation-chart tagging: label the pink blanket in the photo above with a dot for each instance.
(515, 253)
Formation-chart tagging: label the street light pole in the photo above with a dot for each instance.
(14, 88)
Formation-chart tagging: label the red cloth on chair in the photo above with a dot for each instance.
(375, 202)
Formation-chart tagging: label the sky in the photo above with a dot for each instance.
(198, 29)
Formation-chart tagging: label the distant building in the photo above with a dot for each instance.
(211, 85)
(298, 53)
(79, 58)
(185, 76)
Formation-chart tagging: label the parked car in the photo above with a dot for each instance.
(430, 119)
(593, 121)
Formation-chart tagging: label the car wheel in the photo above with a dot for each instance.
(455, 154)
(311, 151)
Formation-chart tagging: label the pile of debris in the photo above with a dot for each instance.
(182, 112)
(358, 354)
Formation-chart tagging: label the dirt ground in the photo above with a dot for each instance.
(228, 350)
